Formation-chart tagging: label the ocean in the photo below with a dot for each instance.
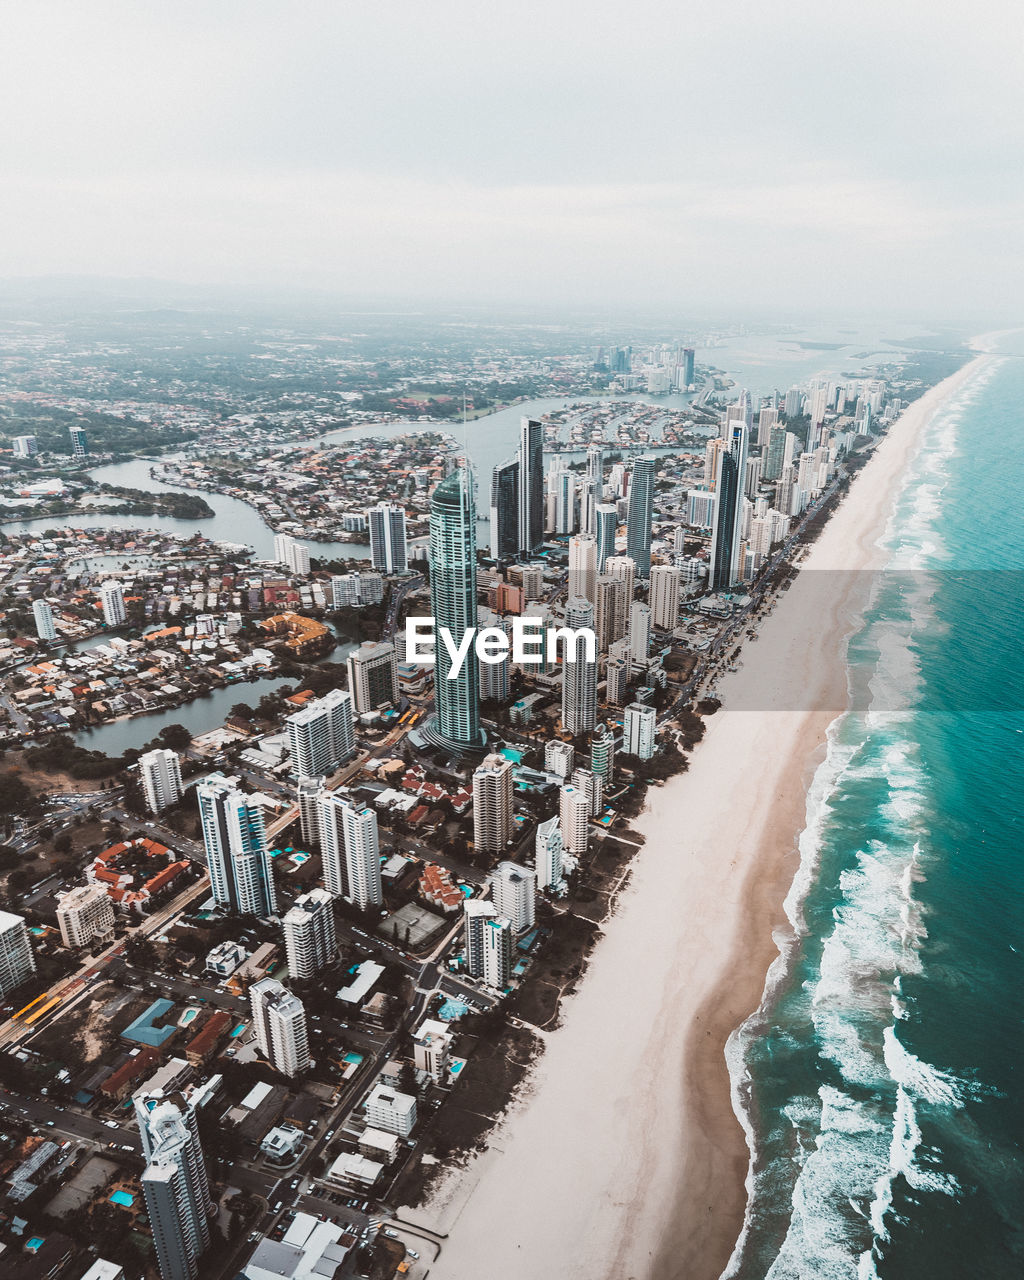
(880, 1080)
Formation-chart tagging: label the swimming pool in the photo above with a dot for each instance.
(188, 1016)
(123, 1198)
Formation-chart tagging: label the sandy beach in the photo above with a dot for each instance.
(626, 1159)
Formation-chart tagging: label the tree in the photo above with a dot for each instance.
(175, 736)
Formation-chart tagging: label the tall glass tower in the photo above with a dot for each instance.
(726, 544)
(531, 485)
(640, 515)
(456, 721)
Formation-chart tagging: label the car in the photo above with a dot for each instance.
(392, 1235)
(412, 1253)
(49, 1124)
(278, 1205)
(328, 1135)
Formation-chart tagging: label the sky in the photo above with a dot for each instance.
(783, 154)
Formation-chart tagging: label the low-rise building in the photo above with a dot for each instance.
(391, 1111)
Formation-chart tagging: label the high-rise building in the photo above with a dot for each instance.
(279, 1021)
(25, 446)
(688, 366)
(160, 776)
(558, 758)
(43, 615)
(602, 754)
(322, 735)
(574, 818)
(700, 508)
(623, 567)
(606, 518)
(639, 631)
(617, 673)
(590, 496)
(112, 600)
(488, 943)
(640, 515)
(726, 543)
(79, 442)
(793, 403)
(563, 483)
(610, 610)
(639, 729)
(387, 538)
(505, 510)
(492, 804)
(17, 963)
(294, 555)
(390, 1112)
(362, 857)
(579, 673)
(373, 675)
(332, 808)
(774, 453)
(175, 1183)
(752, 481)
(665, 596)
(455, 725)
(309, 935)
(593, 786)
(583, 566)
(766, 419)
(308, 796)
(547, 847)
(236, 848)
(513, 892)
(595, 463)
(85, 915)
(531, 485)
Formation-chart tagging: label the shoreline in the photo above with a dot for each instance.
(625, 1156)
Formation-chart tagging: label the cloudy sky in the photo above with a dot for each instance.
(787, 153)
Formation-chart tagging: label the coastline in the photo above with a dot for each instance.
(626, 1158)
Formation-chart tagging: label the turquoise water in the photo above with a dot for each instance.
(880, 1080)
(123, 1198)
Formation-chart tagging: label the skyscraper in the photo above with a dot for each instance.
(332, 808)
(592, 785)
(455, 725)
(665, 596)
(639, 631)
(640, 515)
(602, 754)
(564, 484)
(610, 610)
(688, 366)
(322, 735)
(583, 566)
(606, 517)
(513, 892)
(43, 615)
(574, 818)
(309, 934)
(160, 775)
(488, 943)
(595, 463)
(79, 442)
(175, 1183)
(547, 848)
(579, 673)
(639, 728)
(773, 455)
(492, 804)
(236, 848)
(373, 675)
(17, 963)
(362, 857)
(279, 1020)
(505, 510)
(624, 568)
(387, 538)
(308, 795)
(558, 758)
(112, 600)
(726, 543)
(531, 485)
